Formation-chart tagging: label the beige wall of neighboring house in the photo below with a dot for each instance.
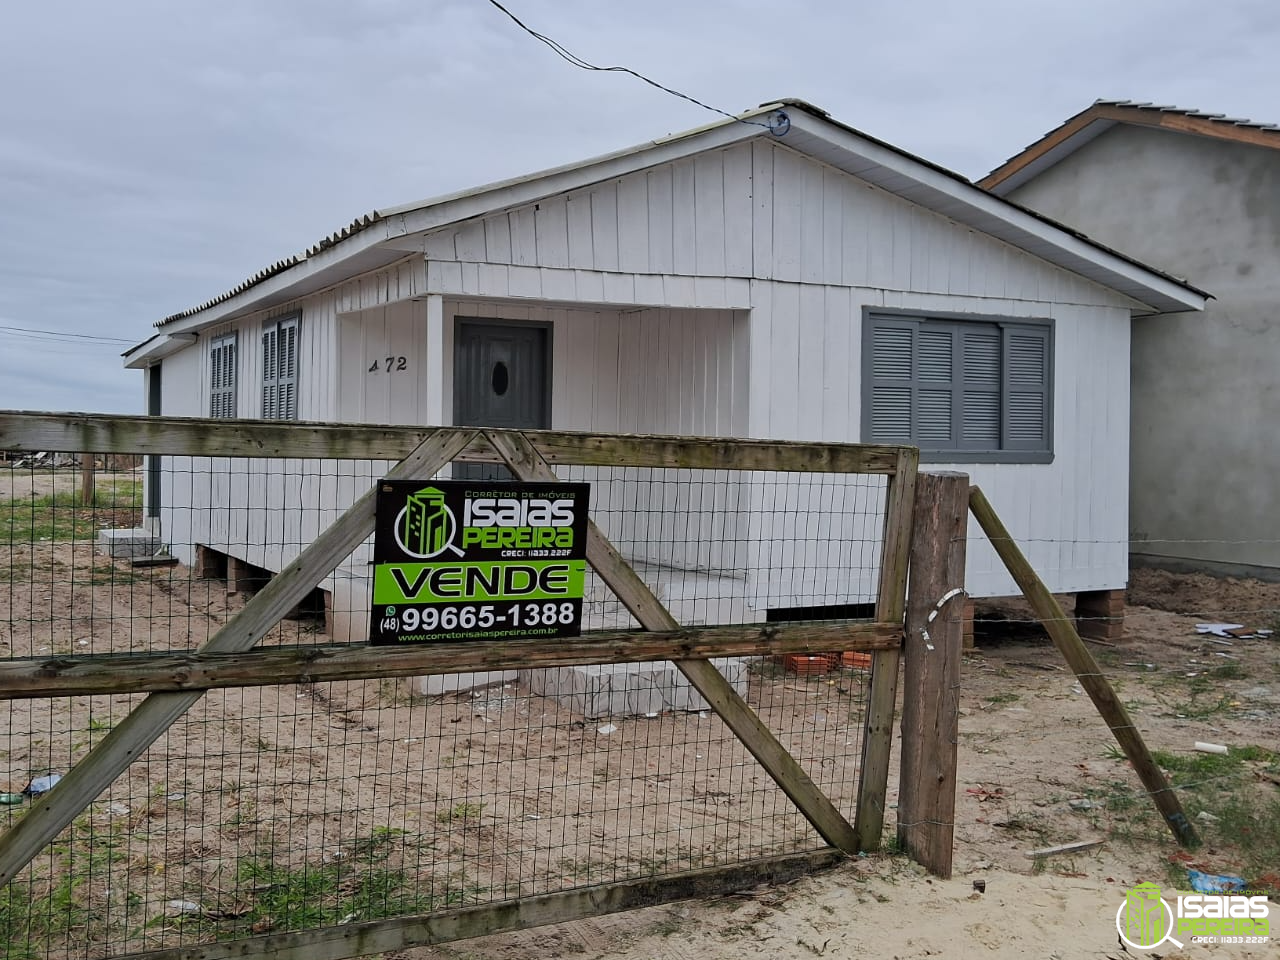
(1205, 439)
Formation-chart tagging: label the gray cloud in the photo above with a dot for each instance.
(154, 154)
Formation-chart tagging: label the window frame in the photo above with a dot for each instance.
(272, 380)
(1044, 326)
(222, 389)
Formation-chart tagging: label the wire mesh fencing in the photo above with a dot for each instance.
(287, 807)
(1196, 668)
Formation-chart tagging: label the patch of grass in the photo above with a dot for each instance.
(64, 515)
(1003, 698)
(46, 912)
(289, 898)
(1251, 827)
(1193, 767)
(375, 845)
(17, 571)
(108, 573)
(1197, 709)
(1229, 671)
(464, 812)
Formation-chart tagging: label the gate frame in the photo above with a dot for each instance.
(175, 681)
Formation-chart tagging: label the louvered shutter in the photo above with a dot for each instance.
(270, 371)
(890, 368)
(287, 379)
(1026, 388)
(935, 387)
(222, 377)
(980, 398)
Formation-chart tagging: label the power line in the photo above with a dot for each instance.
(778, 128)
(61, 334)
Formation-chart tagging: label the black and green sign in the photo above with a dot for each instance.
(478, 560)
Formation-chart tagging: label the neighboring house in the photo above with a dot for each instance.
(1197, 195)
(786, 277)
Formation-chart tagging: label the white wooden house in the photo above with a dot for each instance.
(785, 277)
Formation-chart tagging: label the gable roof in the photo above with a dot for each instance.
(1090, 123)
(384, 236)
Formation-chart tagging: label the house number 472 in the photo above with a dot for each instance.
(390, 365)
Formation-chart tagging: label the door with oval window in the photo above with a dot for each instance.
(501, 378)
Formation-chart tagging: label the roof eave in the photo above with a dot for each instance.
(962, 201)
(153, 350)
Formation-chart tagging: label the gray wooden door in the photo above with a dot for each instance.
(501, 378)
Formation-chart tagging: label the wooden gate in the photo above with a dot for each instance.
(751, 483)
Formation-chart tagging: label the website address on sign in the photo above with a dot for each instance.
(477, 634)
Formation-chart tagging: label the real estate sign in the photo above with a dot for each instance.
(478, 560)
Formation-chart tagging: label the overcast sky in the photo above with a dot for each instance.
(153, 154)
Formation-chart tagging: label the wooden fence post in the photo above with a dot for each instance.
(1064, 636)
(882, 695)
(931, 671)
(86, 479)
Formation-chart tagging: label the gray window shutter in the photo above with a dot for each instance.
(270, 371)
(222, 377)
(891, 366)
(287, 379)
(980, 400)
(1028, 363)
(935, 386)
(978, 387)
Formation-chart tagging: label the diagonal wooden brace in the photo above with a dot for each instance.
(130, 738)
(527, 464)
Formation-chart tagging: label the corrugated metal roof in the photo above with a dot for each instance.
(1182, 111)
(362, 223)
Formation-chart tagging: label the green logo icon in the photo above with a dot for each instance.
(426, 523)
(425, 526)
(1145, 920)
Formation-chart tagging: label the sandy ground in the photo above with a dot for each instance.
(322, 766)
(1030, 743)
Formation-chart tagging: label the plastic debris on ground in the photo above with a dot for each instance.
(1214, 883)
(42, 784)
(1232, 631)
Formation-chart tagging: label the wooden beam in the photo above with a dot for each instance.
(1087, 671)
(86, 479)
(891, 601)
(77, 676)
(186, 436)
(525, 463)
(931, 671)
(127, 741)
(383, 936)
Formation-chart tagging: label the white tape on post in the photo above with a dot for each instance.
(937, 609)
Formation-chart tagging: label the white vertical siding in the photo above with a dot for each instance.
(669, 291)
